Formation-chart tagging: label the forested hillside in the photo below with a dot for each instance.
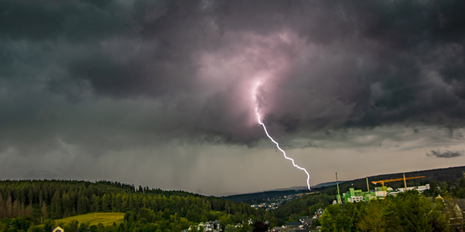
(409, 211)
(304, 206)
(32, 205)
(40, 200)
(432, 176)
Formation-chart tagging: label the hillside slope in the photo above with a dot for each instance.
(433, 175)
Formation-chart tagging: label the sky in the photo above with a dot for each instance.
(161, 93)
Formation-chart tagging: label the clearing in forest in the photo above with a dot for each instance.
(94, 218)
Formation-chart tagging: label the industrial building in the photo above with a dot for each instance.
(356, 195)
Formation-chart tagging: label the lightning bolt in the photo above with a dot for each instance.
(272, 140)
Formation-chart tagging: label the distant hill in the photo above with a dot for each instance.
(301, 188)
(262, 195)
(248, 197)
(433, 175)
(291, 188)
(327, 184)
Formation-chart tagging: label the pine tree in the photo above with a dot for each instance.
(41, 197)
(81, 205)
(95, 203)
(30, 196)
(66, 205)
(44, 211)
(8, 206)
(56, 206)
(106, 202)
(16, 210)
(36, 214)
(28, 211)
(2, 207)
(22, 209)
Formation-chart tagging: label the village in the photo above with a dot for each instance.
(304, 224)
(274, 202)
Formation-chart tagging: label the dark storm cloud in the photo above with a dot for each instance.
(75, 21)
(445, 154)
(113, 74)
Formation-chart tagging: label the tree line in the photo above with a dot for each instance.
(435, 209)
(407, 211)
(39, 201)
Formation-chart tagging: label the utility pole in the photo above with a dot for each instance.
(338, 194)
(405, 183)
(368, 186)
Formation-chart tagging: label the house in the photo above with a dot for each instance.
(302, 219)
(216, 224)
(455, 210)
(306, 221)
(58, 229)
(278, 229)
(208, 226)
(292, 224)
(318, 213)
(250, 221)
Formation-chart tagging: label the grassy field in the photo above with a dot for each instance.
(94, 218)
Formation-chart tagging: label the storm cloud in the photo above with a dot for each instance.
(101, 77)
(445, 154)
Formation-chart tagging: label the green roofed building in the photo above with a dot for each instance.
(357, 195)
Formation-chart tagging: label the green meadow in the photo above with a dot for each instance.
(94, 218)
